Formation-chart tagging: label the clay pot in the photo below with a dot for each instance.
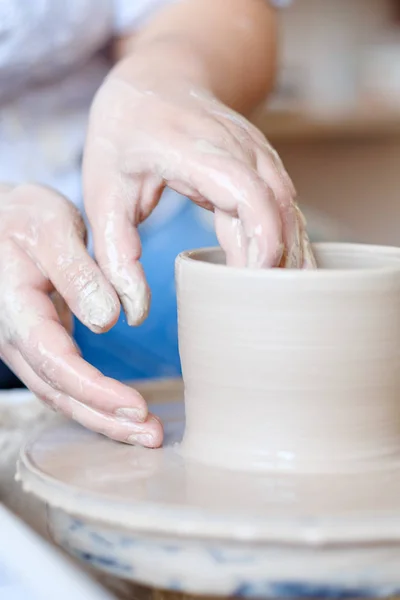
(288, 369)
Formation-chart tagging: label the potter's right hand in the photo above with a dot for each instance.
(42, 250)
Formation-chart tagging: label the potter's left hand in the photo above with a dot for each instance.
(42, 249)
(149, 129)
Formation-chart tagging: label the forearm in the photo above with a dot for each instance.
(225, 46)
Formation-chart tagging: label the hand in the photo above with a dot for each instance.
(150, 130)
(42, 249)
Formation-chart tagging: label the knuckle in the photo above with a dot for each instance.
(41, 194)
(47, 398)
(258, 136)
(80, 278)
(45, 197)
(77, 222)
(31, 207)
(248, 178)
(47, 372)
(55, 204)
(69, 215)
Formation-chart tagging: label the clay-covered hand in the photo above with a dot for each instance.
(42, 252)
(149, 130)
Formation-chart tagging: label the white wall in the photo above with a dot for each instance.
(307, 20)
(357, 183)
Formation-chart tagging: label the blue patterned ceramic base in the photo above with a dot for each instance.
(218, 568)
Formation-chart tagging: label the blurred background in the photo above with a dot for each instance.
(335, 115)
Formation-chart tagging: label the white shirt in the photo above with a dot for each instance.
(52, 61)
(51, 64)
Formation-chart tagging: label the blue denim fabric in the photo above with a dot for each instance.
(151, 350)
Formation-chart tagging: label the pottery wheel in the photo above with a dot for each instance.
(154, 517)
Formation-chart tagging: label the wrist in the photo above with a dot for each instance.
(171, 60)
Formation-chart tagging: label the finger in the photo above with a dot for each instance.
(298, 252)
(60, 253)
(309, 261)
(250, 146)
(275, 177)
(149, 433)
(52, 354)
(63, 312)
(242, 129)
(231, 237)
(238, 143)
(213, 136)
(120, 428)
(265, 149)
(118, 249)
(124, 202)
(293, 255)
(245, 131)
(291, 232)
(236, 189)
(14, 360)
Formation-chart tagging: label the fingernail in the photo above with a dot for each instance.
(135, 301)
(131, 414)
(144, 439)
(101, 309)
(98, 306)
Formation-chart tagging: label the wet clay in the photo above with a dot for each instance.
(286, 373)
(290, 369)
(288, 474)
(162, 491)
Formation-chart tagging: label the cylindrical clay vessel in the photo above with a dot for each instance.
(289, 369)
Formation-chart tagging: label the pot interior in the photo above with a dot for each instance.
(328, 256)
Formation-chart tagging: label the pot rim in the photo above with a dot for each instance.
(193, 258)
